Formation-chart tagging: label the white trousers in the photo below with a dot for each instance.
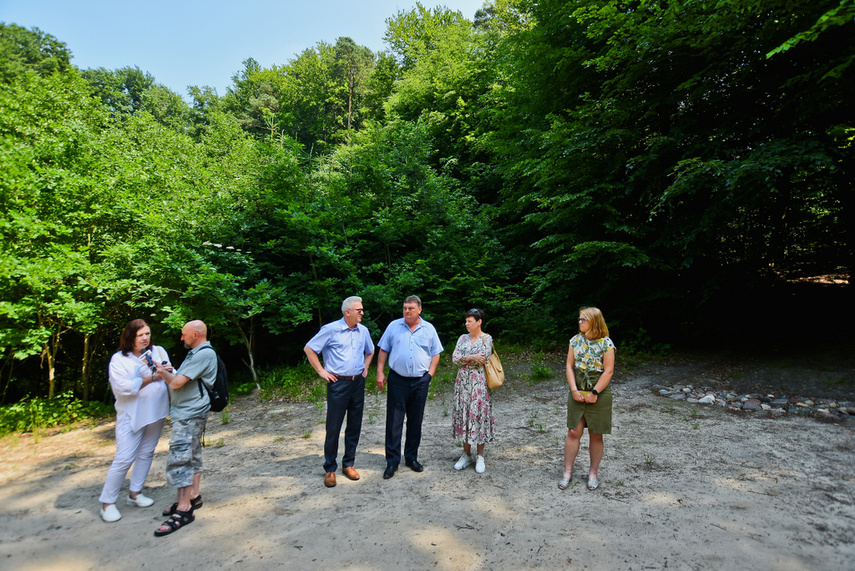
(135, 448)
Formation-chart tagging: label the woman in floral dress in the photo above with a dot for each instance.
(472, 413)
(590, 365)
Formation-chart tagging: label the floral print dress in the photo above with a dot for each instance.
(472, 410)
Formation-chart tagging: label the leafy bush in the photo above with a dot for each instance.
(30, 414)
(639, 343)
(541, 372)
(300, 383)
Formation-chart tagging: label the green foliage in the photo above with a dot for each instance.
(32, 50)
(638, 343)
(299, 383)
(34, 413)
(541, 372)
(639, 162)
(646, 158)
(316, 99)
(414, 34)
(841, 15)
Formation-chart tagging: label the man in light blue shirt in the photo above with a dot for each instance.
(347, 350)
(412, 348)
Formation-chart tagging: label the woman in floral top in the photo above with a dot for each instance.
(590, 365)
(472, 412)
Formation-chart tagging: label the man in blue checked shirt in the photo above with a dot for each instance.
(412, 347)
(347, 350)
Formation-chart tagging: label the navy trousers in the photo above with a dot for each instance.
(343, 397)
(405, 396)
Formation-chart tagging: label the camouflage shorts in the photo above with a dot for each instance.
(185, 452)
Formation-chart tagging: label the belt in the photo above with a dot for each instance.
(406, 377)
(351, 378)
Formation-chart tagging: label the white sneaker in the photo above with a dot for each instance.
(464, 461)
(479, 465)
(141, 501)
(111, 514)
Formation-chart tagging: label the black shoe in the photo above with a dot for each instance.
(389, 472)
(415, 465)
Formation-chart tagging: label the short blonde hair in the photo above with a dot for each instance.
(599, 329)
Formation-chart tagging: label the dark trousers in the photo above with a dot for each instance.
(343, 397)
(405, 396)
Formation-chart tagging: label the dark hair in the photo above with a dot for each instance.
(413, 299)
(129, 336)
(475, 314)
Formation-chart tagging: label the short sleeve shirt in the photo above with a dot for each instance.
(410, 352)
(588, 353)
(188, 401)
(344, 349)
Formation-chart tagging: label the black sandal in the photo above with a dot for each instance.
(178, 520)
(195, 504)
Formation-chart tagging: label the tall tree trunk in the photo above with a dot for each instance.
(845, 189)
(11, 361)
(350, 100)
(86, 366)
(317, 285)
(50, 351)
(248, 343)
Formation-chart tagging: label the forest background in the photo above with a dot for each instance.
(686, 166)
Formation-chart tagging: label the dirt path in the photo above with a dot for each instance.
(682, 487)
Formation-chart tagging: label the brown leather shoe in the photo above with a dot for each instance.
(350, 472)
(329, 480)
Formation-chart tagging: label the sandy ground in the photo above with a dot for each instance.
(682, 487)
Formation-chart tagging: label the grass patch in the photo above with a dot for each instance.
(300, 383)
(841, 382)
(443, 381)
(32, 414)
(540, 372)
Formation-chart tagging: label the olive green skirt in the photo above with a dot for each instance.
(598, 416)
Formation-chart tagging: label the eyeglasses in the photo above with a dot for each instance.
(360, 311)
(583, 320)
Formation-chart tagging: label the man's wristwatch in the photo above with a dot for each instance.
(595, 392)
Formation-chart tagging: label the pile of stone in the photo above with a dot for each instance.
(774, 405)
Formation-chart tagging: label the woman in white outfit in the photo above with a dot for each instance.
(142, 405)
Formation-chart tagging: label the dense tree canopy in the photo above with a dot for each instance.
(655, 159)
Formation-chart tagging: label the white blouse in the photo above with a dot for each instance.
(139, 406)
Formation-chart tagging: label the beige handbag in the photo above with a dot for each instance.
(493, 370)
